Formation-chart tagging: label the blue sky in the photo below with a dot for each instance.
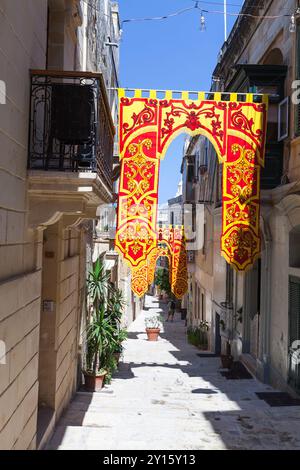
(171, 54)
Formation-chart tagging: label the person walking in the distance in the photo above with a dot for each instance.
(171, 310)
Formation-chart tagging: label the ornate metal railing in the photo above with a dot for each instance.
(71, 128)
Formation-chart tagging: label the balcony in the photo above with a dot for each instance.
(71, 138)
(265, 78)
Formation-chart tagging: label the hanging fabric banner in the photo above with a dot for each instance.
(171, 244)
(237, 131)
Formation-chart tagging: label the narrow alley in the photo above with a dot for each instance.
(167, 397)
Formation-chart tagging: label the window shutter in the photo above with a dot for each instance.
(294, 309)
(294, 331)
(297, 107)
(297, 119)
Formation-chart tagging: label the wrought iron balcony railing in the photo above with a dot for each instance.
(71, 128)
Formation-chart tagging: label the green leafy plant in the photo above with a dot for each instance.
(97, 285)
(153, 321)
(116, 306)
(100, 342)
(162, 280)
(197, 336)
(102, 322)
(112, 367)
(120, 336)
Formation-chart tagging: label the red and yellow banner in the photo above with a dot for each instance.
(237, 131)
(171, 244)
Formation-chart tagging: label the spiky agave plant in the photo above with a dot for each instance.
(100, 342)
(100, 329)
(97, 284)
(116, 306)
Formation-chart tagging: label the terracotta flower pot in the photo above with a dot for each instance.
(226, 360)
(93, 383)
(152, 333)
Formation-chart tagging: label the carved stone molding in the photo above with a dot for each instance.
(56, 194)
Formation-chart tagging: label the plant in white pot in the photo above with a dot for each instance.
(153, 326)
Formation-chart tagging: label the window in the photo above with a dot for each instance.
(294, 332)
(283, 119)
(190, 173)
(204, 238)
(297, 107)
(294, 309)
(229, 284)
(196, 301)
(172, 218)
(219, 185)
(203, 313)
(294, 247)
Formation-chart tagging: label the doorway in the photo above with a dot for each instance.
(47, 349)
(217, 335)
(251, 339)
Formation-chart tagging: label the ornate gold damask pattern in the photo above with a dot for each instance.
(237, 131)
(171, 245)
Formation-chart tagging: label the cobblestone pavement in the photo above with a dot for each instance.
(166, 397)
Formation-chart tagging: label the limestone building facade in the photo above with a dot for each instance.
(258, 312)
(51, 185)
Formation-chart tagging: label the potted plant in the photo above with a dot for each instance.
(227, 359)
(162, 282)
(100, 330)
(99, 349)
(118, 348)
(197, 336)
(203, 334)
(116, 306)
(153, 325)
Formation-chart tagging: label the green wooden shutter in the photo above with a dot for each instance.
(297, 106)
(294, 309)
(294, 331)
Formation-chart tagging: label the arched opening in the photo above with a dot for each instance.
(273, 57)
(170, 188)
(201, 175)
